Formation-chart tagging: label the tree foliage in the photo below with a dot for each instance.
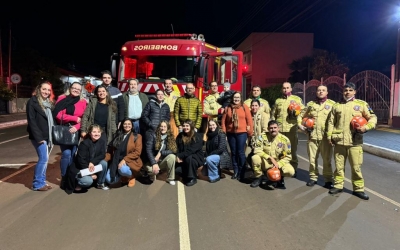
(322, 64)
(5, 93)
(34, 68)
(272, 93)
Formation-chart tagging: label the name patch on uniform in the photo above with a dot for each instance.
(356, 108)
(327, 107)
(280, 145)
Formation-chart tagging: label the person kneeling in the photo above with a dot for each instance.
(161, 148)
(91, 152)
(272, 149)
(124, 155)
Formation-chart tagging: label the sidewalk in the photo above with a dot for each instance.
(383, 142)
(11, 120)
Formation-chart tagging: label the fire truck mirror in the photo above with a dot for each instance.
(201, 67)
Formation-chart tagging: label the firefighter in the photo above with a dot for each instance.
(288, 121)
(170, 97)
(256, 94)
(347, 140)
(211, 107)
(318, 143)
(272, 149)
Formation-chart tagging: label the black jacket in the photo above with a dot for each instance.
(88, 151)
(193, 148)
(153, 113)
(152, 152)
(225, 100)
(38, 128)
(220, 143)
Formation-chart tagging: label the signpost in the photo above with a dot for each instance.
(16, 79)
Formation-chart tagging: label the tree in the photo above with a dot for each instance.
(5, 93)
(34, 68)
(321, 64)
(272, 93)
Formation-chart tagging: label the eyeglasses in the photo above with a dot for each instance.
(189, 88)
(214, 86)
(76, 89)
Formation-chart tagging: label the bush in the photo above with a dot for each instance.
(272, 93)
(5, 93)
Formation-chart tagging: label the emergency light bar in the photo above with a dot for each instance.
(162, 35)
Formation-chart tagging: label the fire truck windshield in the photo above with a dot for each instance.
(158, 68)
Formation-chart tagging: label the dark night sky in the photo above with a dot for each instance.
(363, 32)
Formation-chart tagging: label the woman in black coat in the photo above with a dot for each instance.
(91, 153)
(190, 154)
(216, 151)
(155, 111)
(40, 123)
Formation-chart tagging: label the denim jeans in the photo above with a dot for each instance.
(87, 181)
(67, 156)
(237, 142)
(39, 174)
(125, 170)
(212, 162)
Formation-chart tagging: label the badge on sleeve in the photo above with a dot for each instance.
(289, 146)
(327, 107)
(174, 97)
(370, 109)
(356, 108)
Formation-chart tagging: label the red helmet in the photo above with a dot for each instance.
(308, 122)
(358, 122)
(294, 108)
(274, 174)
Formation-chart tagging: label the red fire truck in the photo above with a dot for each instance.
(185, 58)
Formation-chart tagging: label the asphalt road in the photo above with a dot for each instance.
(224, 215)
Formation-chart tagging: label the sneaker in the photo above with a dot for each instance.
(172, 183)
(102, 186)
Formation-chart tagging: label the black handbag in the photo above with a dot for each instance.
(61, 135)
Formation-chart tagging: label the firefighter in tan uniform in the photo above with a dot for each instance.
(272, 149)
(256, 94)
(211, 107)
(318, 142)
(288, 122)
(170, 97)
(348, 142)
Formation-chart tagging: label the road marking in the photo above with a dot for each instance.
(19, 171)
(367, 189)
(14, 139)
(184, 239)
(12, 165)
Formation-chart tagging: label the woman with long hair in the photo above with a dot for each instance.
(237, 123)
(190, 154)
(123, 154)
(101, 110)
(161, 149)
(91, 153)
(216, 151)
(68, 111)
(40, 122)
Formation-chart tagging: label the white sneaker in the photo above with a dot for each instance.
(102, 186)
(172, 183)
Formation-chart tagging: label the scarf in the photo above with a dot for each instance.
(235, 119)
(50, 122)
(210, 144)
(67, 103)
(168, 91)
(118, 155)
(322, 100)
(286, 95)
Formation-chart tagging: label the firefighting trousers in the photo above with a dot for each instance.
(323, 148)
(294, 140)
(355, 156)
(261, 164)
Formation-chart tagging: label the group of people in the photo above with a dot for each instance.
(126, 135)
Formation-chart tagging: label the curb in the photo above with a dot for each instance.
(382, 152)
(12, 124)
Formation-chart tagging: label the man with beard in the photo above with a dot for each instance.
(170, 97)
(115, 93)
(188, 107)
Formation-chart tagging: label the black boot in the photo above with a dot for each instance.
(281, 184)
(361, 195)
(62, 182)
(328, 185)
(311, 183)
(335, 190)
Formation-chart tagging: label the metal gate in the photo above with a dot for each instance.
(374, 88)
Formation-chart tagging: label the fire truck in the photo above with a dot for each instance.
(185, 58)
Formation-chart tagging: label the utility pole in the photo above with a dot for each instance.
(9, 60)
(396, 74)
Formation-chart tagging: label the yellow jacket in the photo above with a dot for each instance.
(339, 128)
(320, 113)
(264, 105)
(278, 148)
(280, 113)
(211, 106)
(171, 99)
